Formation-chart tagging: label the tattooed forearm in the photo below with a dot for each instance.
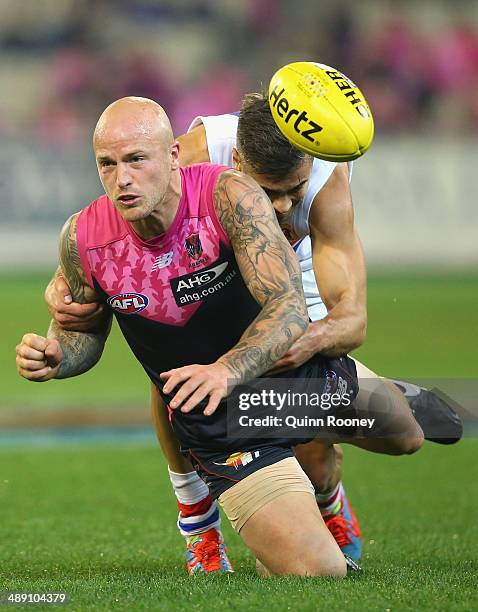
(263, 344)
(70, 262)
(271, 271)
(81, 351)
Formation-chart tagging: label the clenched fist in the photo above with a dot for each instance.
(38, 358)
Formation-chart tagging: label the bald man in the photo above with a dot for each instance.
(144, 249)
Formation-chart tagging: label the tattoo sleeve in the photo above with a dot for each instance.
(270, 270)
(81, 350)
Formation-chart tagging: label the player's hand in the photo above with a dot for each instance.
(301, 351)
(38, 358)
(196, 382)
(70, 315)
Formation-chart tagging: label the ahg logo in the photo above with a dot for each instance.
(201, 285)
(198, 279)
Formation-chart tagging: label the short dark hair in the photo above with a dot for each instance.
(260, 142)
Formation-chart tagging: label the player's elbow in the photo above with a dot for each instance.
(360, 332)
(362, 321)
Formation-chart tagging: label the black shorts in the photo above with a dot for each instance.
(222, 459)
(220, 471)
(213, 433)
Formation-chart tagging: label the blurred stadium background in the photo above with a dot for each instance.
(63, 62)
(415, 191)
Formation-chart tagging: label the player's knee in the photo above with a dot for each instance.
(334, 567)
(407, 445)
(262, 570)
(323, 558)
(413, 444)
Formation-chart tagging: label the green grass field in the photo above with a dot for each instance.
(99, 522)
(418, 326)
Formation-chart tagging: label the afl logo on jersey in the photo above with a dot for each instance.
(128, 303)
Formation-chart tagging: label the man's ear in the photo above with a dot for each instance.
(236, 159)
(175, 155)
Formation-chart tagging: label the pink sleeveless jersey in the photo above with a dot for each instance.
(178, 298)
(139, 276)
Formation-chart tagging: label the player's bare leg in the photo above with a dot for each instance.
(322, 462)
(167, 441)
(302, 547)
(396, 431)
(435, 413)
(309, 564)
(199, 521)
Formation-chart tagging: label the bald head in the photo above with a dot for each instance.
(138, 162)
(132, 118)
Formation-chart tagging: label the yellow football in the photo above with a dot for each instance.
(321, 111)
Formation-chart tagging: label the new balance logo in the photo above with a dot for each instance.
(162, 261)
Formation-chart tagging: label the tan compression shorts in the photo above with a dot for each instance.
(246, 497)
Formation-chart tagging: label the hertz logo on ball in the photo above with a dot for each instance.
(321, 111)
(278, 100)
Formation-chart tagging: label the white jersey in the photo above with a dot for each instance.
(221, 138)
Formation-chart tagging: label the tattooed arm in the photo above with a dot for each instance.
(270, 270)
(62, 353)
(81, 351)
(272, 274)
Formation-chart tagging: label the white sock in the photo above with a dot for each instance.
(330, 502)
(189, 488)
(190, 491)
